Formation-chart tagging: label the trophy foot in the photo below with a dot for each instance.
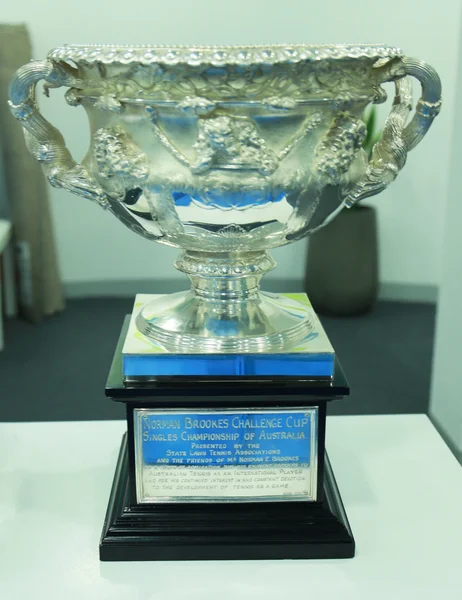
(225, 312)
(186, 323)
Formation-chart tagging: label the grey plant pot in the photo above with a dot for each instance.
(342, 265)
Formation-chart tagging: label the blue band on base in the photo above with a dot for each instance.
(228, 364)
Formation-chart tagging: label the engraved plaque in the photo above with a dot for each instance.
(222, 455)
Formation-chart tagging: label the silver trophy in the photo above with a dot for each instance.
(226, 152)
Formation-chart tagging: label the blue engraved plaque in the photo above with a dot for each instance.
(221, 455)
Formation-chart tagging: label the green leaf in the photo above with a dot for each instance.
(372, 136)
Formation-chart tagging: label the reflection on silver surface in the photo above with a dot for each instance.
(226, 152)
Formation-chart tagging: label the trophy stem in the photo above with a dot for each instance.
(228, 277)
(225, 311)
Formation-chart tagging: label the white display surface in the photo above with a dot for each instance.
(401, 486)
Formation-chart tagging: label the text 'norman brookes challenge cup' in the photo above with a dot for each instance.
(226, 152)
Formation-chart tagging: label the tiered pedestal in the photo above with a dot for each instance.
(226, 530)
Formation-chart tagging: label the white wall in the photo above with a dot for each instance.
(446, 399)
(95, 247)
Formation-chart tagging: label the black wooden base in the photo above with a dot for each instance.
(229, 531)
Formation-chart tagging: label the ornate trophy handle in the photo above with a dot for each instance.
(390, 152)
(43, 140)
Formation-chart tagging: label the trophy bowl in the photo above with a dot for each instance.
(226, 152)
